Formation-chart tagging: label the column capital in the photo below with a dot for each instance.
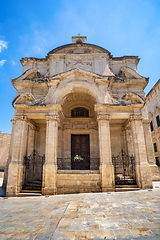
(54, 117)
(19, 118)
(136, 117)
(103, 116)
(146, 121)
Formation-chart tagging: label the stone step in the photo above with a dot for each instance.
(29, 193)
(123, 188)
(126, 186)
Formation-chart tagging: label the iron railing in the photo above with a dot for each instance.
(33, 171)
(66, 163)
(124, 168)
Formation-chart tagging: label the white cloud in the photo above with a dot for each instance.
(2, 62)
(3, 45)
(14, 63)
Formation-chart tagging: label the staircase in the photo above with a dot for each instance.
(35, 185)
(125, 183)
(31, 189)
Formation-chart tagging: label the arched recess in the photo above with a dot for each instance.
(83, 87)
(76, 94)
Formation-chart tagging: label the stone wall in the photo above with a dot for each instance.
(153, 106)
(4, 150)
(80, 182)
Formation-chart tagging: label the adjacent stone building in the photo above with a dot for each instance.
(80, 123)
(4, 150)
(153, 105)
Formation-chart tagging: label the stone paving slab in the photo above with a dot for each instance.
(116, 215)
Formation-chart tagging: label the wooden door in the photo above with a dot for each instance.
(80, 145)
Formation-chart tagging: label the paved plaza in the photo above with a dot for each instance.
(115, 215)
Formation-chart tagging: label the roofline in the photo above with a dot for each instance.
(83, 45)
(78, 44)
(153, 88)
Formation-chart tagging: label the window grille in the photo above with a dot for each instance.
(158, 121)
(151, 125)
(79, 112)
(157, 161)
(155, 147)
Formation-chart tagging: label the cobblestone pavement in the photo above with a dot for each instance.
(116, 215)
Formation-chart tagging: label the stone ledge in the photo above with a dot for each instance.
(78, 172)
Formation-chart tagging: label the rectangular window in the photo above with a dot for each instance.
(158, 121)
(157, 161)
(151, 125)
(155, 147)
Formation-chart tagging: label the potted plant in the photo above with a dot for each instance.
(77, 158)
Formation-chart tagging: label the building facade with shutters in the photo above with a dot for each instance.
(80, 123)
(153, 105)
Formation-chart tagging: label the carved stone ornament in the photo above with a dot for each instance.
(132, 98)
(24, 99)
(79, 125)
(110, 100)
(77, 62)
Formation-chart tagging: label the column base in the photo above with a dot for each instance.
(47, 191)
(143, 173)
(108, 189)
(107, 178)
(49, 186)
(14, 182)
(155, 174)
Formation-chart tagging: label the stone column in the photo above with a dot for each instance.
(143, 173)
(106, 166)
(17, 153)
(50, 167)
(150, 151)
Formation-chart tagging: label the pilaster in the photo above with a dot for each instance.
(17, 153)
(143, 172)
(106, 166)
(50, 167)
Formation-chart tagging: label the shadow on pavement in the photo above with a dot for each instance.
(2, 190)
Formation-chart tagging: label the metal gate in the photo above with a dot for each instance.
(124, 168)
(33, 171)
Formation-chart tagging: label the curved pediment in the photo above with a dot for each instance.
(24, 99)
(30, 74)
(129, 73)
(132, 98)
(79, 48)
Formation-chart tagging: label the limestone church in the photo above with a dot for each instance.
(80, 123)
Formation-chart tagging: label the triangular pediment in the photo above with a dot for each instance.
(76, 74)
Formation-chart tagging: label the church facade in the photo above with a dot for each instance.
(80, 123)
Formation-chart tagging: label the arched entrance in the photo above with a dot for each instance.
(79, 134)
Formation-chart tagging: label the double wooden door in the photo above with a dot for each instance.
(80, 145)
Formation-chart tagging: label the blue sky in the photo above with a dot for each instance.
(33, 28)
